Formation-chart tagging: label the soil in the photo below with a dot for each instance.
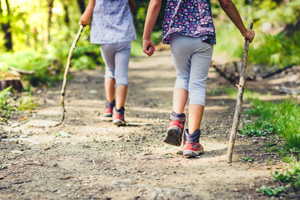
(87, 157)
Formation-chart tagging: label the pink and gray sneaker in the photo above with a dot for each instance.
(175, 129)
(109, 108)
(118, 116)
(192, 147)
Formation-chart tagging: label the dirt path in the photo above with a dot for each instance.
(88, 158)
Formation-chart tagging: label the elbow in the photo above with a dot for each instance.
(225, 4)
(155, 4)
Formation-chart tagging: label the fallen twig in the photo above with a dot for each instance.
(22, 71)
(276, 71)
(287, 90)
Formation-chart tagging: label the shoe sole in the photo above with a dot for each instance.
(118, 122)
(173, 137)
(107, 115)
(192, 153)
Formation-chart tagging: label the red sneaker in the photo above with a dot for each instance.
(109, 108)
(175, 130)
(192, 147)
(118, 117)
(108, 112)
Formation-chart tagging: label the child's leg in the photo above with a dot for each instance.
(195, 117)
(108, 55)
(181, 49)
(109, 84)
(121, 93)
(200, 63)
(179, 99)
(121, 72)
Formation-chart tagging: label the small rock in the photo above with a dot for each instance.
(64, 134)
(42, 123)
(93, 92)
(251, 185)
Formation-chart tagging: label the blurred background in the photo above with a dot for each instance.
(37, 35)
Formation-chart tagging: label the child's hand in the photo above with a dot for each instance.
(84, 20)
(249, 34)
(148, 47)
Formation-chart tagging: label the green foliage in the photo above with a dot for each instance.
(8, 105)
(270, 191)
(49, 64)
(247, 159)
(5, 108)
(279, 50)
(291, 176)
(30, 61)
(257, 129)
(233, 92)
(136, 48)
(281, 118)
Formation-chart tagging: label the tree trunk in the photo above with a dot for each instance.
(66, 9)
(1, 8)
(6, 27)
(50, 6)
(81, 5)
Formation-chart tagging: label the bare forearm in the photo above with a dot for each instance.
(230, 9)
(152, 14)
(87, 15)
(90, 8)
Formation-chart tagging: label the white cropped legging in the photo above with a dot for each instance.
(116, 59)
(192, 59)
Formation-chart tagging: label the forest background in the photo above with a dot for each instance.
(36, 35)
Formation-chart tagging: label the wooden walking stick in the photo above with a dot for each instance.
(63, 89)
(239, 101)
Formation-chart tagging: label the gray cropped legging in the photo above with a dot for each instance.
(116, 58)
(192, 59)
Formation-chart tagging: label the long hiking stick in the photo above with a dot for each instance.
(239, 101)
(63, 89)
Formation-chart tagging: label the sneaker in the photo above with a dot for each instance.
(118, 116)
(109, 108)
(175, 129)
(192, 147)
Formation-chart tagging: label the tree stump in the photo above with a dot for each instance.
(12, 79)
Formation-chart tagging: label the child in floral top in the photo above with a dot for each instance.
(113, 29)
(188, 27)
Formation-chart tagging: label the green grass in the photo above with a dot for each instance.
(271, 191)
(9, 105)
(6, 108)
(280, 118)
(289, 179)
(248, 94)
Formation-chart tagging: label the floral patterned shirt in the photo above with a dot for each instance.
(112, 22)
(190, 18)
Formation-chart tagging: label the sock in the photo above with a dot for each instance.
(121, 110)
(194, 137)
(177, 115)
(110, 104)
